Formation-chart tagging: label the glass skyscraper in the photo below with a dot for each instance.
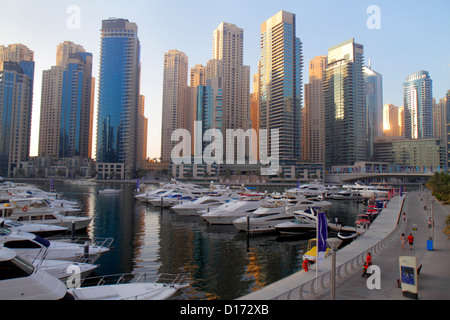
(118, 97)
(418, 103)
(280, 83)
(16, 96)
(345, 105)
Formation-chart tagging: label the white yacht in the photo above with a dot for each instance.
(308, 215)
(310, 189)
(304, 203)
(347, 194)
(265, 217)
(226, 213)
(20, 280)
(38, 210)
(31, 246)
(296, 227)
(208, 203)
(64, 269)
(36, 228)
(366, 191)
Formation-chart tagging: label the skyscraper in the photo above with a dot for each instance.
(174, 101)
(280, 83)
(118, 97)
(227, 63)
(418, 103)
(374, 105)
(345, 105)
(66, 104)
(313, 120)
(16, 96)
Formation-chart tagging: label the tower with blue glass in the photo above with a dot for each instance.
(118, 96)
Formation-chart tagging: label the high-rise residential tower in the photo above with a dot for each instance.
(174, 101)
(16, 97)
(280, 83)
(345, 105)
(374, 105)
(118, 97)
(418, 103)
(66, 104)
(227, 63)
(313, 118)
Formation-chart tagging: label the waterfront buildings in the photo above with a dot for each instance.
(118, 97)
(16, 97)
(66, 104)
(175, 113)
(392, 120)
(374, 106)
(418, 103)
(313, 118)
(345, 105)
(280, 84)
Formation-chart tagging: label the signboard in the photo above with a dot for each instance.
(414, 227)
(408, 276)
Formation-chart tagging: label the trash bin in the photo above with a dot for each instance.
(430, 245)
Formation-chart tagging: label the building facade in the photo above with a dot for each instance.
(374, 105)
(418, 103)
(118, 96)
(313, 119)
(16, 97)
(280, 84)
(345, 106)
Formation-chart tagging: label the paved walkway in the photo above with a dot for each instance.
(434, 278)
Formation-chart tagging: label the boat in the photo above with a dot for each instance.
(311, 253)
(347, 194)
(308, 215)
(209, 202)
(21, 280)
(65, 269)
(367, 191)
(363, 221)
(347, 235)
(304, 203)
(139, 287)
(109, 191)
(36, 228)
(310, 189)
(37, 210)
(295, 227)
(226, 213)
(265, 218)
(31, 246)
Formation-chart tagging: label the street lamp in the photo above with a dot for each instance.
(334, 244)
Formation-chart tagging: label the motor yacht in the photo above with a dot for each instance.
(226, 213)
(21, 280)
(65, 269)
(265, 218)
(296, 227)
(367, 191)
(36, 228)
(31, 246)
(109, 191)
(310, 190)
(207, 203)
(347, 194)
(38, 210)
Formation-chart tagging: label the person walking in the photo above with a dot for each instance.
(404, 216)
(403, 240)
(411, 241)
(430, 223)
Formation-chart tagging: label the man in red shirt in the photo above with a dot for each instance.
(411, 241)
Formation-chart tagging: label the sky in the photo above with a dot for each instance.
(400, 37)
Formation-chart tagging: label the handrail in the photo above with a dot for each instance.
(320, 282)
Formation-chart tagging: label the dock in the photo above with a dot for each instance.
(382, 239)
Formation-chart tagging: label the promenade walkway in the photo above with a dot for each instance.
(383, 241)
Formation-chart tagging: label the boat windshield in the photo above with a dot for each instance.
(42, 241)
(15, 268)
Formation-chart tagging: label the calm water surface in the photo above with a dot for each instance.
(223, 262)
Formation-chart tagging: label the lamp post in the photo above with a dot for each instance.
(334, 244)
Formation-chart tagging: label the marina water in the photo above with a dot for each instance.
(223, 263)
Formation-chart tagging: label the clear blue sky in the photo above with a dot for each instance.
(413, 35)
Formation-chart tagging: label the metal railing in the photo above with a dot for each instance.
(315, 285)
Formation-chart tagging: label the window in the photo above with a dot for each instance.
(15, 268)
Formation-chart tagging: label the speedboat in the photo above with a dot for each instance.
(137, 289)
(265, 218)
(31, 246)
(295, 227)
(36, 228)
(21, 280)
(36, 210)
(363, 221)
(308, 215)
(109, 191)
(226, 213)
(65, 269)
(347, 235)
(193, 208)
(311, 253)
